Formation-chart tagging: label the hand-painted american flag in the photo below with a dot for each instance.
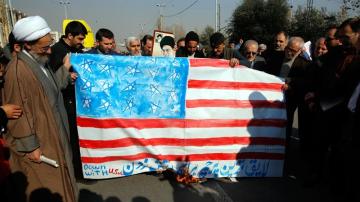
(140, 114)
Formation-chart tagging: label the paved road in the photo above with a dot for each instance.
(145, 188)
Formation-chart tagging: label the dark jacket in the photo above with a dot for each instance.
(258, 64)
(274, 60)
(298, 79)
(58, 52)
(326, 84)
(3, 120)
(183, 52)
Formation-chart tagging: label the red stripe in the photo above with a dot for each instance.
(234, 103)
(192, 157)
(209, 63)
(229, 85)
(176, 123)
(126, 142)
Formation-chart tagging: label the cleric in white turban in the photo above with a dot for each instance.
(43, 127)
(30, 29)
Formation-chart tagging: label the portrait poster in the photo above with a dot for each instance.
(158, 35)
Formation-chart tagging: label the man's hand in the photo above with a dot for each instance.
(233, 62)
(285, 87)
(34, 155)
(73, 76)
(12, 111)
(66, 62)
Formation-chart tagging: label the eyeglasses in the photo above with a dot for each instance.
(252, 53)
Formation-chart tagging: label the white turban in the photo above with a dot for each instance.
(30, 28)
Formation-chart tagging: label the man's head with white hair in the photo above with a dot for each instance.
(320, 47)
(34, 33)
(133, 45)
(251, 49)
(294, 47)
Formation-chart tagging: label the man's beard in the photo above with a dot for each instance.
(137, 53)
(41, 59)
(278, 48)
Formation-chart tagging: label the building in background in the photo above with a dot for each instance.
(8, 16)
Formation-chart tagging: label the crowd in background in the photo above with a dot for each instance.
(322, 83)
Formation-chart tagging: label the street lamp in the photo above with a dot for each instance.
(65, 4)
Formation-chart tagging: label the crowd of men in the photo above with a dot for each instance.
(38, 112)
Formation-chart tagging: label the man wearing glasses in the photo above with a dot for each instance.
(43, 127)
(250, 56)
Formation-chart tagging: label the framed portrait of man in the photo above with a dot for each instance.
(158, 36)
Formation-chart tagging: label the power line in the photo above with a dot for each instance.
(180, 12)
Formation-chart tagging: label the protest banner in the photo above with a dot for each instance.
(140, 114)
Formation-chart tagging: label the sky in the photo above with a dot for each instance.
(133, 17)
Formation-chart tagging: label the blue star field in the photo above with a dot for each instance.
(130, 86)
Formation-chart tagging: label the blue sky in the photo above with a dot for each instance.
(128, 17)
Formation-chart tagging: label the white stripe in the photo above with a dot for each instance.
(179, 150)
(118, 133)
(195, 94)
(231, 74)
(234, 113)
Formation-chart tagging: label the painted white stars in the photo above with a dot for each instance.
(86, 84)
(173, 96)
(104, 104)
(154, 73)
(86, 103)
(132, 70)
(130, 87)
(130, 104)
(154, 89)
(86, 65)
(174, 75)
(176, 63)
(104, 68)
(104, 84)
(154, 107)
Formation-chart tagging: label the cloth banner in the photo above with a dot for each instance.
(141, 114)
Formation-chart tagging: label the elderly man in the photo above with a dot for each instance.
(167, 45)
(133, 46)
(191, 47)
(320, 47)
(43, 128)
(104, 43)
(294, 69)
(250, 58)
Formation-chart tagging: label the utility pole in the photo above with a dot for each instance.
(12, 20)
(142, 28)
(217, 16)
(65, 4)
(161, 6)
(218, 28)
